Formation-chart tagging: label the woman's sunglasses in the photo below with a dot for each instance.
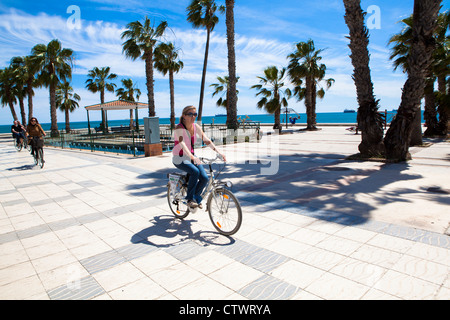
(190, 114)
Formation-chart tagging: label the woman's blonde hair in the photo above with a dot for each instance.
(186, 109)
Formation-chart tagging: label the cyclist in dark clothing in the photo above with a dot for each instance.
(18, 131)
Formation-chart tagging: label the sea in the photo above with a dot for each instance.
(324, 117)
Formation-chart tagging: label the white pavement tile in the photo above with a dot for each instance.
(236, 275)
(297, 273)
(118, 276)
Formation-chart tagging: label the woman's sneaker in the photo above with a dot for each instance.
(192, 204)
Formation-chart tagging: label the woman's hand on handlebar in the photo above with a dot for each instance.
(222, 157)
(196, 160)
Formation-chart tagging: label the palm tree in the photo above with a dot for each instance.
(55, 66)
(304, 64)
(399, 54)
(140, 42)
(438, 70)
(98, 81)
(369, 120)
(166, 60)
(272, 92)
(17, 65)
(67, 101)
(29, 72)
(398, 136)
(128, 93)
(232, 79)
(441, 69)
(221, 88)
(8, 90)
(201, 13)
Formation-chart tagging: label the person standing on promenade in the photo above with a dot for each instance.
(186, 134)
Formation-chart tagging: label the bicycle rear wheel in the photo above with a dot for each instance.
(175, 199)
(224, 211)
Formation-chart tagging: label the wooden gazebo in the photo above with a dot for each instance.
(116, 105)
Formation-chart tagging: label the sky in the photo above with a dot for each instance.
(266, 33)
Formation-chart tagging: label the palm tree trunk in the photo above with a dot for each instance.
(310, 121)
(369, 120)
(66, 113)
(202, 87)
(430, 113)
(172, 100)
(444, 116)
(30, 100)
(232, 122)
(102, 101)
(398, 136)
(13, 111)
(150, 83)
(416, 132)
(313, 104)
(22, 110)
(53, 116)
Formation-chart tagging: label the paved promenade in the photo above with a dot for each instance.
(97, 226)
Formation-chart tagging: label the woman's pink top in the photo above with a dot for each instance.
(189, 140)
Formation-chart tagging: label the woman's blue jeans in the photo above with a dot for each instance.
(197, 179)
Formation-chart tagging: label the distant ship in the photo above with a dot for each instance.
(349, 111)
(220, 115)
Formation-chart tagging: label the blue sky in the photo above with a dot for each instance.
(266, 32)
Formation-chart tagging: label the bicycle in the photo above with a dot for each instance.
(23, 144)
(222, 205)
(38, 153)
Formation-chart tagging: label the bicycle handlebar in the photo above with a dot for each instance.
(209, 160)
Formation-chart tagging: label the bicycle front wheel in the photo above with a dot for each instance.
(18, 146)
(224, 211)
(40, 157)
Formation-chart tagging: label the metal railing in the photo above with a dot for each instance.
(132, 142)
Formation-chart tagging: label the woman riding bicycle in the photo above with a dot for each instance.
(35, 133)
(186, 134)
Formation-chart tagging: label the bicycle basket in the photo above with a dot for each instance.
(174, 179)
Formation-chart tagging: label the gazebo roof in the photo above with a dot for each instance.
(117, 105)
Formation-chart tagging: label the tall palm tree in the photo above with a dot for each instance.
(304, 64)
(55, 66)
(8, 90)
(232, 79)
(17, 65)
(399, 55)
(398, 136)
(100, 80)
(166, 61)
(141, 40)
(274, 96)
(369, 120)
(221, 89)
(202, 14)
(129, 92)
(439, 68)
(30, 71)
(67, 101)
